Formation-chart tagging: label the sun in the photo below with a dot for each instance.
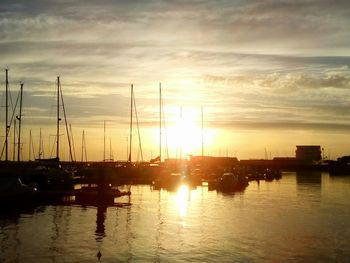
(182, 133)
(184, 136)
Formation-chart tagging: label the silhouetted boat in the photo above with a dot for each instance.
(271, 174)
(169, 181)
(49, 174)
(231, 182)
(338, 168)
(94, 195)
(13, 192)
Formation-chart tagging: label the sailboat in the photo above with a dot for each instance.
(49, 173)
(59, 98)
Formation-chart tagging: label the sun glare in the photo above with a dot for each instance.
(184, 136)
(182, 197)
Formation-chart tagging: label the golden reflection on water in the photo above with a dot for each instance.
(182, 199)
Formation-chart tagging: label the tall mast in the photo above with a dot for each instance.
(82, 146)
(66, 124)
(160, 122)
(104, 141)
(19, 125)
(202, 133)
(30, 143)
(6, 106)
(14, 140)
(58, 120)
(110, 148)
(40, 144)
(131, 101)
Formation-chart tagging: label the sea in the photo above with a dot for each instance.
(303, 217)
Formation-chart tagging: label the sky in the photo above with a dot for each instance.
(269, 75)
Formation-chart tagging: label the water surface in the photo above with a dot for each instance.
(303, 217)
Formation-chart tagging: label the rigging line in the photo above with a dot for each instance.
(14, 141)
(130, 139)
(9, 125)
(110, 149)
(65, 120)
(20, 124)
(85, 148)
(40, 145)
(33, 149)
(30, 141)
(138, 129)
(71, 132)
(165, 134)
(31, 146)
(42, 152)
(82, 146)
(53, 145)
(10, 95)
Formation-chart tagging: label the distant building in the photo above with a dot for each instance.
(308, 154)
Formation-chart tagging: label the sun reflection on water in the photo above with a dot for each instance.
(182, 199)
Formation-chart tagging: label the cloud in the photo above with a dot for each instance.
(252, 64)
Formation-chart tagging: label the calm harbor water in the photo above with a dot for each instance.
(300, 218)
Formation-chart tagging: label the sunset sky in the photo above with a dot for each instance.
(269, 74)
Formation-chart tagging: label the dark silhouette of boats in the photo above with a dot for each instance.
(271, 174)
(13, 192)
(232, 182)
(229, 182)
(94, 195)
(169, 180)
(339, 167)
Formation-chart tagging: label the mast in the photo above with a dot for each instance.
(66, 124)
(202, 133)
(19, 118)
(104, 141)
(40, 144)
(30, 143)
(58, 120)
(14, 140)
(6, 123)
(83, 148)
(160, 122)
(131, 102)
(110, 148)
(138, 131)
